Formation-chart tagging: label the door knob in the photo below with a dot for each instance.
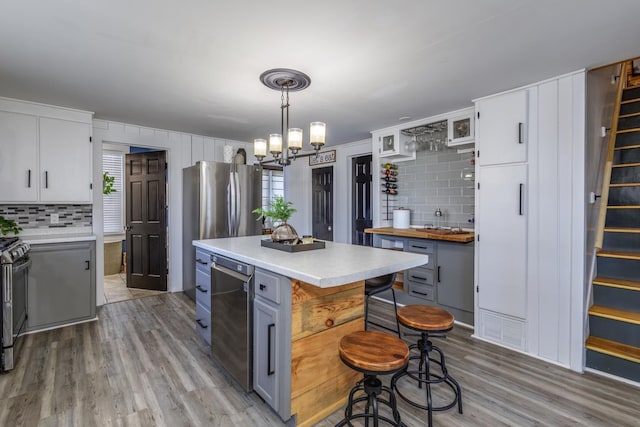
(128, 228)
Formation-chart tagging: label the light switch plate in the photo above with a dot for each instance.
(55, 219)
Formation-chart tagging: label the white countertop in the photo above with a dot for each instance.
(36, 236)
(336, 264)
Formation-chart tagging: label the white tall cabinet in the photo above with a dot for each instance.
(530, 219)
(45, 153)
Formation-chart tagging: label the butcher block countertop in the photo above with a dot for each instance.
(423, 233)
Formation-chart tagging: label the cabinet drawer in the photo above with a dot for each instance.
(267, 286)
(420, 246)
(203, 261)
(423, 247)
(203, 289)
(203, 322)
(421, 291)
(420, 275)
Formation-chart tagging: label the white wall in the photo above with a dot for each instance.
(298, 189)
(182, 151)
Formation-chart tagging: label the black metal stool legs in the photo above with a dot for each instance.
(426, 375)
(373, 388)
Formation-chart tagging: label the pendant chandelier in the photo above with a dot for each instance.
(286, 80)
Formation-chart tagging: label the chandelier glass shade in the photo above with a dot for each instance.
(288, 143)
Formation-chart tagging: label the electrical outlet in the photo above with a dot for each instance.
(55, 219)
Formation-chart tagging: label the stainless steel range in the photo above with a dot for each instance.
(14, 265)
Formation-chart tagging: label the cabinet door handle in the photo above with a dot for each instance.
(201, 289)
(270, 371)
(438, 274)
(29, 178)
(46, 179)
(263, 287)
(520, 201)
(520, 132)
(88, 266)
(199, 261)
(202, 325)
(418, 277)
(420, 293)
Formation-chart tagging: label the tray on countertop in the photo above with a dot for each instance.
(300, 247)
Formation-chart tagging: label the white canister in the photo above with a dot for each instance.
(401, 218)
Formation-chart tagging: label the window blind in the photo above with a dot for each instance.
(113, 212)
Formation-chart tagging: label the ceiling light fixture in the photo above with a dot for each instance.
(286, 80)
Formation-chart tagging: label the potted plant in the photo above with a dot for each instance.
(8, 226)
(108, 183)
(279, 211)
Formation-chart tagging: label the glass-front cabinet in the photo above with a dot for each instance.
(461, 129)
(392, 145)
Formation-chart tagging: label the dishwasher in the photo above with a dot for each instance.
(232, 317)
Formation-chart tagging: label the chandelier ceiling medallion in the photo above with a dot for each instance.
(286, 80)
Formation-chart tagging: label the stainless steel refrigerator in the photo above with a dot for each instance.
(217, 200)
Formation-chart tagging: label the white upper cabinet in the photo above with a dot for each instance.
(502, 129)
(18, 157)
(65, 161)
(391, 145)
(45, 153)
(460, 128)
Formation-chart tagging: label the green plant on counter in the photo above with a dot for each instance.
(108, 183)
(279, 210)
(8, 226)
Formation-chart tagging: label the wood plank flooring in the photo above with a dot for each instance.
(142, 364)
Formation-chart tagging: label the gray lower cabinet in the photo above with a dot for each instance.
(265, 318)
(272, 341)
(203, 294)
(419, 281)
(455, 275)
(62, 287)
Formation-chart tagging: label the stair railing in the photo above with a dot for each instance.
(604, 199)
(606, 178)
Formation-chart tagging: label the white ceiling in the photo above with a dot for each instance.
(193, 65)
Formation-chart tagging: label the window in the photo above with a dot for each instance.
(113, 163)
(272, 185)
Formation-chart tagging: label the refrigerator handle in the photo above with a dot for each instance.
(238, 207)
(233, 204)
(230, 201)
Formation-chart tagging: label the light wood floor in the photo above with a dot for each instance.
(115, 289)
(143, 364)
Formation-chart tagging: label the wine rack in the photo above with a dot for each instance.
(389, 186)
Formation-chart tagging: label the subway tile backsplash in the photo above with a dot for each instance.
(39, 216)
(434, 180)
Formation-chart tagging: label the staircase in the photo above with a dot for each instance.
(614, 318)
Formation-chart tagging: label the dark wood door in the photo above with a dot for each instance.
(361, 215)
(322, 203)
(146, 220)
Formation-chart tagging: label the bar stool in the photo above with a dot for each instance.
(428, 320)
(373, 353)
(375, 286)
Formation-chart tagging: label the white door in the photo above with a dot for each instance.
(502, 129)
(502, 227)
(65, 161)
(18, 157)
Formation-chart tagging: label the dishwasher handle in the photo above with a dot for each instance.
(230, 272)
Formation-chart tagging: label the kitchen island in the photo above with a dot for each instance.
(305, 302)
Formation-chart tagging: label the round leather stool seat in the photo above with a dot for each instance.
(374, 352)
(425, 318)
